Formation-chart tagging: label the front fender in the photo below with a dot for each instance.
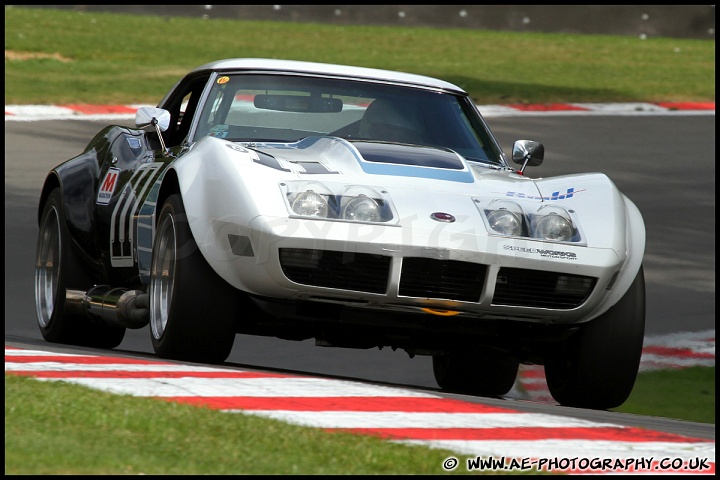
(635, 241)
(223, 189)
(608, 219)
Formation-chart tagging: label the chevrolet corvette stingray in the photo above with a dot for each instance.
(358, 207)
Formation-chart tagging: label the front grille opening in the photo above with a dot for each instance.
(541, 289)
(442, 279)
(360, 272)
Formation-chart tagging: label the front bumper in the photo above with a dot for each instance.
(434, 271)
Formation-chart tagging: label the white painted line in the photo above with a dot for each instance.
(38, 111)
(49, 117)
(637, 107)
(18, 352)
(659, 362)
(11, 366)
(239, 387)
(352, 419)
(704, 339)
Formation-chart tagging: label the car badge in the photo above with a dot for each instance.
(442, 217)
(107, 187)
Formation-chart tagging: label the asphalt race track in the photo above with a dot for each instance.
(664, 163)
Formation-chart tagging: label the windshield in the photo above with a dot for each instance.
(288, 108)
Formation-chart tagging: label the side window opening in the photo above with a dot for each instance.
(182, 106)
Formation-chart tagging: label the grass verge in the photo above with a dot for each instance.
(684, 394)
(56, 428)
(64, 57)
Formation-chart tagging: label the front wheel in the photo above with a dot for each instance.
(484, 373)
(597, 367)
(56, 271)
(192, 309)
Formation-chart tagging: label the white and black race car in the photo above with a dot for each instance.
(360, 207)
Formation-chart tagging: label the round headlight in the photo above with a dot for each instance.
(310, 204)
(554, 224)
(362, 209)
(505, 217)
(505, 222)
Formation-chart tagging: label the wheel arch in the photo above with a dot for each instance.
(169, 186)
(635, 235)
(223, 190)
(51, 183)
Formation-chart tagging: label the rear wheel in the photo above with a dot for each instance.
(56, 271)
(597, 367)
(192, 309)
(484, 373)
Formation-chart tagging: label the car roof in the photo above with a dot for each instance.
(327, 69)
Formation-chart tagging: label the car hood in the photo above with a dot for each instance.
(223, 179)
(391, 165)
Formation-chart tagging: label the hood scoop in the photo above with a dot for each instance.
(411, 155)
(379, 158)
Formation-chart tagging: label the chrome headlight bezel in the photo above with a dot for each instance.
(300, 201)
(547, 223)
(360, 209)
(344, 202)
(505, 217)
(552, 223)
(309, 204)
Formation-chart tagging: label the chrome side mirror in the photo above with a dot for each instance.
(528, 153)
(155, 117)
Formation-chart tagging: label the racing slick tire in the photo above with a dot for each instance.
(596, 368)
(484, 373)
(56, 270)
(192, 309)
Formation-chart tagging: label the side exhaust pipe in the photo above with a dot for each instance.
(113, 306)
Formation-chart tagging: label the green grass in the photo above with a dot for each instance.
(686, 394)
(65, 57)
(56, 428)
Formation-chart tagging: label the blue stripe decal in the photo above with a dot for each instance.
(419, 172)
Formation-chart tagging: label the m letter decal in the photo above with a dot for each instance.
(108, 186)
